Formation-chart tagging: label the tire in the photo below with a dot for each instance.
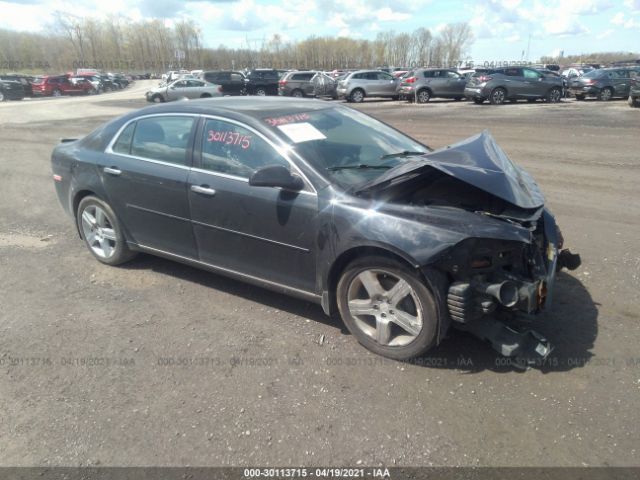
(457, 99)
(579, 97)
(2, 97)
(297, 93)
(554, 95)
(423, 96)
(380, 330)
(260, 92)
(632, 101)
(498, 96)
(56, 93)
(100, 229)
(605, 94)
(157, 98)
(478, 101)
(205, 95)
(357, 95)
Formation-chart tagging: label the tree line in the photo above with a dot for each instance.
(119, 44)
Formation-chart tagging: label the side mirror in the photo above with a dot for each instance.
(276, 176)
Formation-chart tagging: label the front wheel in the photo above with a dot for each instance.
(632, 101)
(261, 92)
(56, 93)
(388, 307)
(101, 232)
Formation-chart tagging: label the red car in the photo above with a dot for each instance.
(60, 85)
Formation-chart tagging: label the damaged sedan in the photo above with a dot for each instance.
(328, 204)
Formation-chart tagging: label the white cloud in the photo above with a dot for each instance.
(623, 21)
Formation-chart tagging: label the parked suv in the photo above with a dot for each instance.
(425, 83)
(232, 83)
(59, 85)
(11, 90)
(297, 84)
(604, 83)
(634, 90)
(513, 83)
(24, 80)
(262, 81)
(367, 83)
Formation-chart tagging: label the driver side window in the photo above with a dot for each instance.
(234, 150)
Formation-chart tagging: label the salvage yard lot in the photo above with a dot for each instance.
(156, 363)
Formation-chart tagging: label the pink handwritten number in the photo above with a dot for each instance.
(229, 138)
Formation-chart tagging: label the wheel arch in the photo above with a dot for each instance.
(329, 300)
(75, 202)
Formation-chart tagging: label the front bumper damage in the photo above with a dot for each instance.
(488, 303)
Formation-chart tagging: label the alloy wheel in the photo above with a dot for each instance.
(97, 229)
(385, 307)
(423, 96)
(606, 94)
(357, 96)
(498, 96)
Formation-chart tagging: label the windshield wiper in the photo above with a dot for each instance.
(361, 166)
(404, 153)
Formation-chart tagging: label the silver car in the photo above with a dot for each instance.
(184, 88)
(367, 83)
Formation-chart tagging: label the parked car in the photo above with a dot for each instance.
(59, 85)
(232, 83)
(11, 90)
(324, 85)
(367, 83)
(323, 202)
(25, 81)
(603, 83)
(634, 90)
(573, 72)
(297, 84)
(85, 84)
(423, 84)
(180, 89)
(95, 80)
(513, 83)
(262, 81)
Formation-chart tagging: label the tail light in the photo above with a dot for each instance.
(410, 80)
(484, 78)
(282, 83)
(588, 81)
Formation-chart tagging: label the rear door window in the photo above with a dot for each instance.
(163, 138)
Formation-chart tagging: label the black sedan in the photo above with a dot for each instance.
(325, 203)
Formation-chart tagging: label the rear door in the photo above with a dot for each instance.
(455, 84)
(621, 81)
(145, 173)
(514, 82)
(535, 84)
(387, 84)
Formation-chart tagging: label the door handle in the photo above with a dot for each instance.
(112, 171)
(203, 190)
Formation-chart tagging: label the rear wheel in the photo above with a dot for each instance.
(297, 93)
(554, 95)
(423, 96)
(605, 94)
(498, 96)
(57, 93)
(357, 95)
(101, 231)
(632, 101)
(388, 307)
(261, 91)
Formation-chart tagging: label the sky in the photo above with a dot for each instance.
(504, 30)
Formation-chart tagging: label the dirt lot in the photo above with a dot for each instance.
(157, 363)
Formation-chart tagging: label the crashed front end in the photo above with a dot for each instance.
(508, 248)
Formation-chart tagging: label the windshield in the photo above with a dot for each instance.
(346, 146)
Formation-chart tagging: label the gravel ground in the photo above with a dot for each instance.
(156, 363)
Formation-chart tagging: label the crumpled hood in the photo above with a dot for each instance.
(478, 161)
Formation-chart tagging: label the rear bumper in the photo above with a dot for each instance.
(475, 92)
(584, 90)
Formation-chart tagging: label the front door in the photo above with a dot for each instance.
(145, 172)
(262, 232)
